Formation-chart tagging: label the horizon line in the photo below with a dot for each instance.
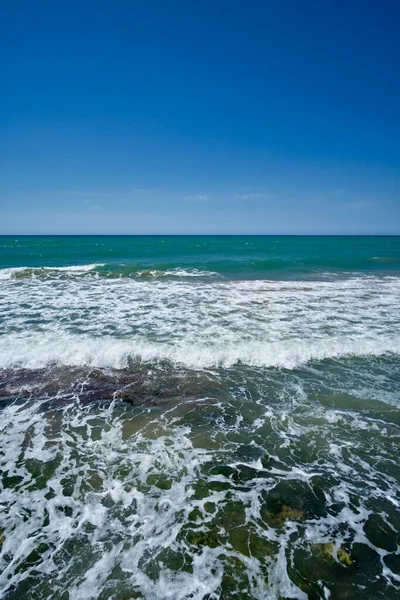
(200, 234)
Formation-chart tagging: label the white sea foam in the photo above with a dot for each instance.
(116, 501)
(101, 520)
(199, 324)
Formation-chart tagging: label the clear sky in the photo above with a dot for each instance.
(200, 116)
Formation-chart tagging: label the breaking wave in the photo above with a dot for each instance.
(40, 350)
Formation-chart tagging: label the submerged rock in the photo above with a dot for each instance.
(288, 513)
(276, 511)
(326, 553)
(139, 383)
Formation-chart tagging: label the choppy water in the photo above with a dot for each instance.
(199, 418)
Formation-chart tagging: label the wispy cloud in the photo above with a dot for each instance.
(87, 193)
(253, 195)
(359, 204)
(197, 197)
(89, 204)
(104, 194)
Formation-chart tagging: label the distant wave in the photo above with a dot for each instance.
(178, 272)
(21, 272)
(102, 269)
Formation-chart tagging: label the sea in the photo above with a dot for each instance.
(199, 417)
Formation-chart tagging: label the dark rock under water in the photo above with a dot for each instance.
(138, 384)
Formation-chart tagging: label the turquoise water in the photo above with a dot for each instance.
(206, 417)
(247, 257)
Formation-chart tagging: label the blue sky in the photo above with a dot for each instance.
(200, 117)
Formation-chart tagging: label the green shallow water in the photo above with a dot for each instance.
(234, 484)
(199, 418)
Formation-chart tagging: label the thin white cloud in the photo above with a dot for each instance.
(197, 197)
(139, 191)
(359, 204)
(87, 193)
(105, 194)
(253, 195)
